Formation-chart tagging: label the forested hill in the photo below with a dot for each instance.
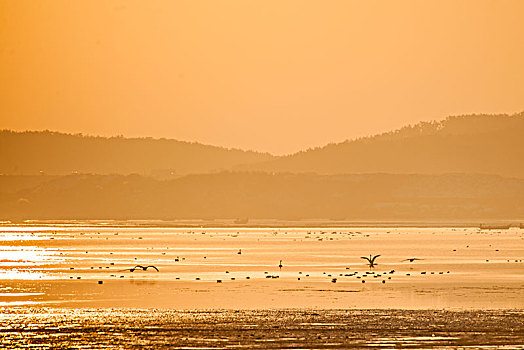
(480, 144)
(57, 153)
(264, 196)
(490, 144)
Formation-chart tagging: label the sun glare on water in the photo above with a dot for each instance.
(18, 261)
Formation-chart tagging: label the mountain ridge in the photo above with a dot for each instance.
(56, 153)
(478, 143)
(491, 144)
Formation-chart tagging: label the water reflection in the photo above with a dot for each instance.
(465, 266)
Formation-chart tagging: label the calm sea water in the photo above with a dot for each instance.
(236, 268)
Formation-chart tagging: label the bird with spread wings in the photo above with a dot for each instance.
(141, 267)
(371, 259)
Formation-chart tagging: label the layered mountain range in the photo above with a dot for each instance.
(461, 168)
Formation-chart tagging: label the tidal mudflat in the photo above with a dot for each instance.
(267, 329)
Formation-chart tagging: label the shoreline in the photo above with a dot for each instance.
(264, 224)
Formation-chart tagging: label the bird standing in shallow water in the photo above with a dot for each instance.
(371, 260)
(280, 265)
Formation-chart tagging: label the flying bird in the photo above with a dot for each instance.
(371, 260)
(144, 268)
(412, 259)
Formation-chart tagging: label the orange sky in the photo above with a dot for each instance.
(269, 75)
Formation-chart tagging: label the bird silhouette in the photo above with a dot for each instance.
(280, 265)
(239, 251)
(412, 259)
(144, 268)
(371, 260)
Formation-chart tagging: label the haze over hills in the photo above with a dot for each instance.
(489, 144)
(58, 153)
(262, 195)
(462, 168)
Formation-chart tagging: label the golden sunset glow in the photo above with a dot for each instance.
(261, 174)
(277, 76)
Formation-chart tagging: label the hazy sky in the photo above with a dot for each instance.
(275, 76)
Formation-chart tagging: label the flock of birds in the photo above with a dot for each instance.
(370, 261)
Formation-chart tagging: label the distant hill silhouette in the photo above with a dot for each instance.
(268, 196)
(486, 144)
(57, 153)
(490, 144)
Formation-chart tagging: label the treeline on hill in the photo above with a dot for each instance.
(462, 168)
(263, 195)
(59, 154)
(488, 144)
